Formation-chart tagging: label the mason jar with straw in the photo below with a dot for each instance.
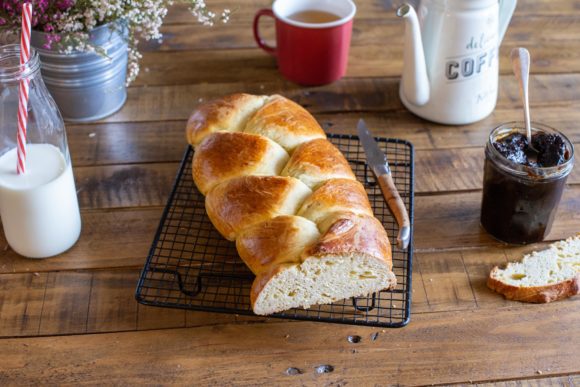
(38, 202)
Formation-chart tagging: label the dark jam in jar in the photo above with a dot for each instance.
(521, 187)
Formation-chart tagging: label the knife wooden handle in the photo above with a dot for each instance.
(397, 207)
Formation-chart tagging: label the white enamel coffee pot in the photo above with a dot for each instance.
(450, 72)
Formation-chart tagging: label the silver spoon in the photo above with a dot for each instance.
(521, 66)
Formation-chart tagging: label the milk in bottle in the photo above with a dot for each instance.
(39, 209)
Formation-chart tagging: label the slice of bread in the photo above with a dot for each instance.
(543, 276)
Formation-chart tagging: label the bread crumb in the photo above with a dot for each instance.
(36, 274)
(539, 372)
(354, 339)
(430, 279)
(293, 371)
(91, 135)
(286, 336)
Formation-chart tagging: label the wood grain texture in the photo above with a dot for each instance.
(92, 301)
(66, 303)
(446, 283)
(367, 10)
(21, 300)
(164, 141)
(235, 44)
(111, 306)
(136, 185)
(372, 95)
(541, 33)
(126, 143)
(460, 331)
(450, 349)
(162, 68)
(452, 221)
(104, 241)
(108, 239)
(539, 381)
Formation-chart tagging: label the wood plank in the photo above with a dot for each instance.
(478, 264)
(419, 300)
(108, 295)
(143, 185)
(451, 350)
(457, 170)
(551, 41)
(112, 307)
(66, 304)
(452, 221)
(104, 242)
(252, 64)
(114, 186)
(241, 14)
(539, 381)
(446, 282)
(376, 9)
(156, 318)
(542, 32)
(164, 141)
(126, 143)
(21, 300)
(176, 102)
(441, 282)
(197, 319)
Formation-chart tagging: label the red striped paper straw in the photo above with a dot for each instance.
(24, 88)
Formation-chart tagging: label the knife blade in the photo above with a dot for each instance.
(379, 164)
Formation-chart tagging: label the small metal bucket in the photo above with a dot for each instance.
(87, 86)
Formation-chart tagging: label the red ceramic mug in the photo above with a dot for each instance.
(309, 53)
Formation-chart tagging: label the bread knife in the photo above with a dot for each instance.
(377, 160)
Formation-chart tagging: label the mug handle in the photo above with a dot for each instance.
(261, 42)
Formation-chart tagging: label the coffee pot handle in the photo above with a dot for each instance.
(506, 10)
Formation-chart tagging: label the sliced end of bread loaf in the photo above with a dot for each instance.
(320, 280)
(543, 276)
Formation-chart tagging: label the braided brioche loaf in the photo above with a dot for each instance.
(277, 187)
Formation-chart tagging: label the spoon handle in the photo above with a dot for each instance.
(521, 65)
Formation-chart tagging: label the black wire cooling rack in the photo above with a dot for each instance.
(191, 266)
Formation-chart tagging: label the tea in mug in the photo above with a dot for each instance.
(314, 17)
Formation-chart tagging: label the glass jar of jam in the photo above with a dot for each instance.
(521, 187)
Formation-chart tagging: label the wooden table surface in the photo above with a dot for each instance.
(73, 318)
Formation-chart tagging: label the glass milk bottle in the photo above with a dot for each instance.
(39, 209)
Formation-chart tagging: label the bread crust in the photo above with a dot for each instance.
(229, 113)
(354, 233)
(317, 161)
(244, 201)
(284, 122)
(535, 294)
(276, 241)
(262, 280)
(223, 155)
(336, 195)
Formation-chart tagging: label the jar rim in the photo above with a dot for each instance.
(526, 170)
(16, 71)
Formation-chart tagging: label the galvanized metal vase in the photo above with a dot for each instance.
(87, 86)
